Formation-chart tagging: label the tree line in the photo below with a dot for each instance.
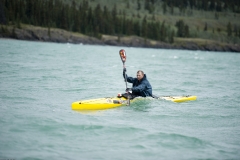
(98, 20)
(81, 18)
(206, 5)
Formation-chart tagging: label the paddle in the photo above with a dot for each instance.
(123, 57)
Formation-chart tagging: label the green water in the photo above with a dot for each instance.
(39, 81)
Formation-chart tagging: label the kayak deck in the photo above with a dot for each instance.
(112, 102)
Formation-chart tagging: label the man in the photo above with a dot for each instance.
(141, 86)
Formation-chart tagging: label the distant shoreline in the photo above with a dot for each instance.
(34, 33)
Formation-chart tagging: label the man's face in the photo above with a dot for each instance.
(139, 76)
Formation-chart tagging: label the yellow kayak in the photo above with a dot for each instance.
(112, 102)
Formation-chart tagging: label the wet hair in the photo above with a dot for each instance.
(141, 72)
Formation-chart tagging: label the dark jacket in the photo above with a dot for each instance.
(140, 88)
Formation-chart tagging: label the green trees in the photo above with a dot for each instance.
(95, 20)
(81, 17)
(183, 30)
(171, 37)
(2, 14)
(229, 29)
(149, 5)
(205, 27)
(138, 5)
(207, 5)
(164, 7)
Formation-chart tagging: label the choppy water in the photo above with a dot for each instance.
(39, 81)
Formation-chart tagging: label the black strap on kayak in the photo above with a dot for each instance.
(154, 96)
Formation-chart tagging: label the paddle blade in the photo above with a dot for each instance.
(123, 55)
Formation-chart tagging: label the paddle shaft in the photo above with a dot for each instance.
(125, 74)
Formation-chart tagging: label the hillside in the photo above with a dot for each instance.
(192, 24)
